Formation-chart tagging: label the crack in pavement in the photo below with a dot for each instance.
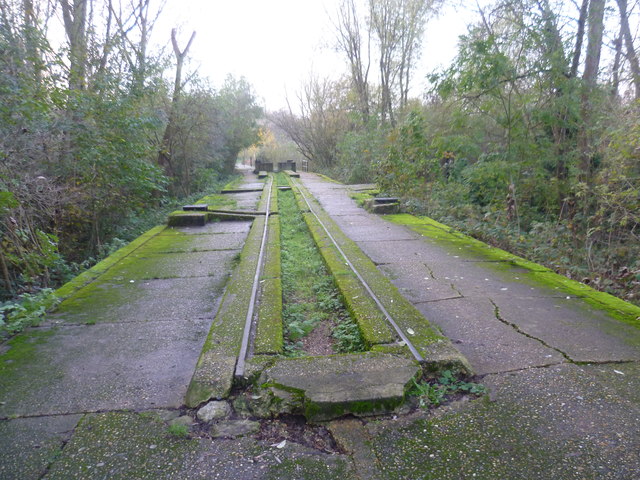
(522, 332)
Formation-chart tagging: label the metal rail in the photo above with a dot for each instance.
(244, 348)
(388, 316)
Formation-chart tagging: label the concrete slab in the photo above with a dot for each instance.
(490, 345)
(333, 386)
(213, 227)
(126, 445)
(585, 335)
(415, 282)
(141, 266)
(100, 367)
(29, 445)
(544, 423)
(198, 243)
(142, 301)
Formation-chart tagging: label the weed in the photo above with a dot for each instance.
(435, 393)
(309, 293)
(179, 431)
(28, 310)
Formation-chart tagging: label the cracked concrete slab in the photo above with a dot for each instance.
(584, 335)
(29, 445)
(537, 428)
(489, 345)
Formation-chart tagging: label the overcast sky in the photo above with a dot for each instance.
(276, 44)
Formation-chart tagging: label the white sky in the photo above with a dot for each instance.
(276, 44)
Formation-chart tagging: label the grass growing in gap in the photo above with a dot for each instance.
(309, 294)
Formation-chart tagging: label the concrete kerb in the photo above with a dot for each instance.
(213, 376)
(439, 352)
(101, 267)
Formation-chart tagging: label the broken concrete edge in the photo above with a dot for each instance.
(213, 376)
(279, 389)
(101, 267)
(426, 338)
(538, 275)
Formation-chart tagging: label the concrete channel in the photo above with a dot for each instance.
(245, 345)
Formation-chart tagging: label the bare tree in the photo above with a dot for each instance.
(74, 15)
(164, 156)
(631, 55)
(399, 28)
(590, 78)
(321, 123)
(350, 42)
(577, 51)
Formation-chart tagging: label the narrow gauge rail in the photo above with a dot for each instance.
(384, 311)
(248, 324)
(244, 349)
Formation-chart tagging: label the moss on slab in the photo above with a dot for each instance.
(269, 334)
(535, 275)
(272, 267)
(17, 358)
(101, 267)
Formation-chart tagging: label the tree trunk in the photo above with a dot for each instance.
(628, 40)
(164, 156)
(590, 77)
(75, 25)
(582, 19)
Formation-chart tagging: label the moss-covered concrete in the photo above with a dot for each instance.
(269, 339)
(533, 273)
(17, 358)
(101, 267)
(371, 322)
(213, 376)
(323, 388)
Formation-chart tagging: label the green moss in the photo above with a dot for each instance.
(218, 201)
(371, 322)
(363, 196)
(534, 275)
(180, 218)
(22, 349)
(101, 267)
(269, 334)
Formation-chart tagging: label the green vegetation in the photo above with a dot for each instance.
(178, 430)
(527, 140)
(309, 292)
(434, 393)
(27, 310)
(97, 144)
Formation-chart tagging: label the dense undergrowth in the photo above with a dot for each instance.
(310, 297)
